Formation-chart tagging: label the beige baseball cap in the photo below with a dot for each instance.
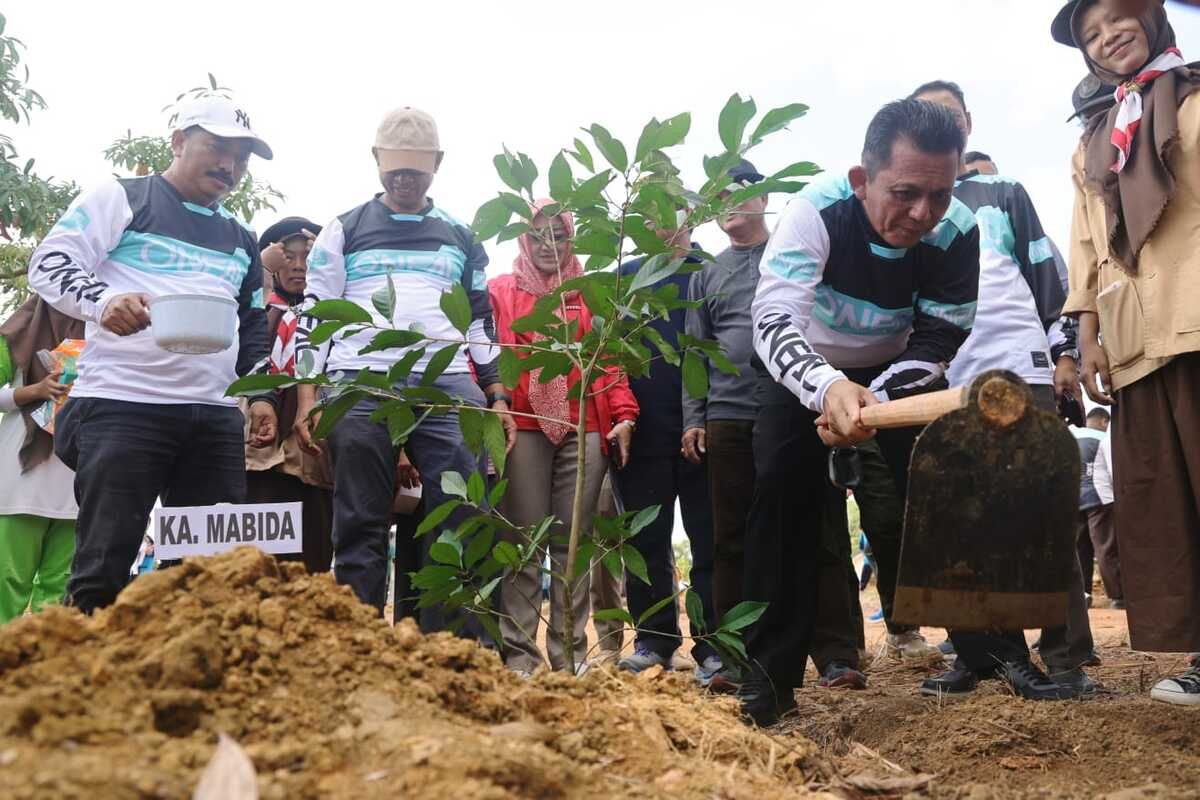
(407, 139)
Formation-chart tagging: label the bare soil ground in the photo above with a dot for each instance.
(327, 700)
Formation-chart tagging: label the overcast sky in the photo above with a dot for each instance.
(315, 80)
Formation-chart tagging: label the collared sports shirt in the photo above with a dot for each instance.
(425, 254)
(1018, 323)
(140, 235)
(835, 301)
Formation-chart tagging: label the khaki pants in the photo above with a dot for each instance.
(542, 483)
(607, 591)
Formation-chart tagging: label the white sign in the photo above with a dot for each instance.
(205, 530)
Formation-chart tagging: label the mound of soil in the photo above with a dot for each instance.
(328, 700)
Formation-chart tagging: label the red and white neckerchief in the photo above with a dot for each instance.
(283, 348)
(1129, 102)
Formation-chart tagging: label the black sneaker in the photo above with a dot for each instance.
(1031, 683)
(760, 703)
(957, 682)
(1182, 690)
(1076, 680)
(842, 676)
(947, 649)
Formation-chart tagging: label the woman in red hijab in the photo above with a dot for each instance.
(542, 466)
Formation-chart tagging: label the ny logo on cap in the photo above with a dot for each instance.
(242, 118)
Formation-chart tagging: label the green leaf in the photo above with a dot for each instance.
(613, 563)
(695, 610)
(470, 422)
(797, 170)
(661, 135)
(512, 231)
(589, 192)
(341, 310)
(404, 366)
(743, 615)
(434, 576)
(324, 331)
(507, 554)
(634, 563)
(437, 516)
(486, 591)
(583, 556)
(776, 120)
(457, 307)
(437, 365)
(734, 118)
(695, 375)
(491, 217)
(495, 440)
(525, 171)
(443, 552)
(609, 147)
(453, 484)
(657, 607)
(476, 488)
(654, 269)
(480, 545)
(610, 614)
(734, 643)
(561, 181)
(401, 420)
(669, 353)
(510, 367)
(258, 383)
(332, 412)
(643, 518)
(387, 340)
(491, 626)
(497, 493)
(384, 300)
(583, 156)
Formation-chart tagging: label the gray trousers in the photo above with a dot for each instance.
(364, 482)
(607, 591)
(541, 483)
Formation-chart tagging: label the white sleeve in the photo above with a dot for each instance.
(790, 271)
(65, 269)
(326, 280)
(1102, 476)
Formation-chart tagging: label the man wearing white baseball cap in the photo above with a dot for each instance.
(142, 421)
(399, 235)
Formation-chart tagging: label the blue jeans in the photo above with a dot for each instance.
(364, 483)
(126, 455)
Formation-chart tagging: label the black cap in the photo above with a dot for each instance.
(285, 229)
(1060, 29)
(1091, 95)
(744, 172)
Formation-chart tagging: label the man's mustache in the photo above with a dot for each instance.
(222, 176)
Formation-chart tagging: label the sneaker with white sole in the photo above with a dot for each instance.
(910, 646)
(642, 659)
(707, 669)
(1181, 690)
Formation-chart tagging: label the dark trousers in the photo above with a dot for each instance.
(125, 456)
(838, 629)
(1096, 542)
(730, 445)
(1064, 647)
(880, 495)
(409, 554)
(658, 479)
(273, 486)
(364, 483)
(784, 533)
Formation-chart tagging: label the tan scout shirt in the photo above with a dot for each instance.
(1147, 318)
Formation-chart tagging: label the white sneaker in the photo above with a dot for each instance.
(1182, 690)
(910, 646)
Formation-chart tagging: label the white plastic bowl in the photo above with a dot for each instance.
(193, 324)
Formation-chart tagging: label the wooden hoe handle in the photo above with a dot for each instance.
(920, 409)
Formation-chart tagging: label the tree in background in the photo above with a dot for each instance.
(30, 205)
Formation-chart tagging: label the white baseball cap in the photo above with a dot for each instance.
(220, 117)
(407, 138)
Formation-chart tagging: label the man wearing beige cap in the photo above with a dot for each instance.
(400, 233)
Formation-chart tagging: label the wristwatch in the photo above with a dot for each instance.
(496, 397)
